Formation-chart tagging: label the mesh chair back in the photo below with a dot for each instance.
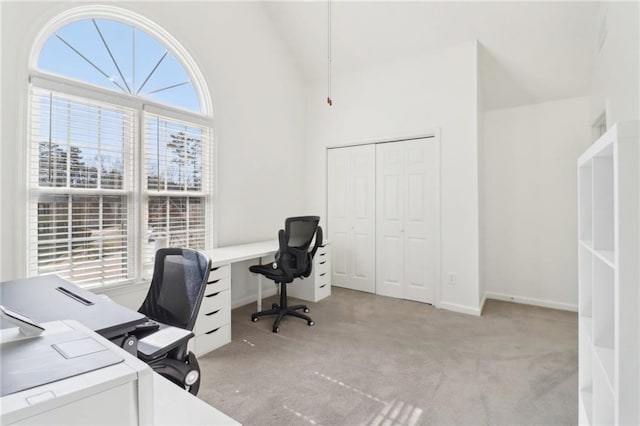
(299, 233)
(177, 287)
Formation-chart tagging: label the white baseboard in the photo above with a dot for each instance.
(484, 300)
(463, 309)
(532, 301)
(253, 298)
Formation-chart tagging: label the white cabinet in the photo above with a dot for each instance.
(609, 279)
(351, 216)
(316, 286)
(213, 325)
(407, 219)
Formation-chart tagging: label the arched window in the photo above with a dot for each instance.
(120, 148)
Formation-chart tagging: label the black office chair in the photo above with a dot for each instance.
(293, 260)
(172, 303)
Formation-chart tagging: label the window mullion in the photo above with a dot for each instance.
(139, 196)
(101, 232)
(70, 230)
(68, 142)
(99, 159)
(187, 227)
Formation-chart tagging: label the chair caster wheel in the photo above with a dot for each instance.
(274, 306)
(310, 323)
(306, 310)
(276, 330)
(254, 318)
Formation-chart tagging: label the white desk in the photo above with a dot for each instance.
(213, 325)
(223, 256)
(226, 255)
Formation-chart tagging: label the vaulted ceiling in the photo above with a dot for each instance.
(530, 51)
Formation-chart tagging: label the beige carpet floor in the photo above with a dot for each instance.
(373, 360)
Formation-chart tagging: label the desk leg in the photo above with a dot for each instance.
(260, 288)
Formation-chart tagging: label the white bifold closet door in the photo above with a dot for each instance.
(407, 219)
(351, 216)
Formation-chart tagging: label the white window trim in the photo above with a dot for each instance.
(138, 21)
(77, 88)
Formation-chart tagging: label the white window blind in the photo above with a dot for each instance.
(177, 173)
(81, 181)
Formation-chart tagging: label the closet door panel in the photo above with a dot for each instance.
(421, 220)
(351, 216)
(338, 214)
(389, 220)
(362, 202)
(416, 285)
(339, 244)
(389, 273)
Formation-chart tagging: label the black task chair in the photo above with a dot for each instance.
(293, 260)
(172, 303)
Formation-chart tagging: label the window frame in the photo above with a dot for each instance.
(138, 199)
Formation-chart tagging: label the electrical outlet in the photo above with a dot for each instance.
(452, 278)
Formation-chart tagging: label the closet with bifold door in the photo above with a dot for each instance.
(384, 217)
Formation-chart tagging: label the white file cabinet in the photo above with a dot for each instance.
(213, 326)
(316, 286)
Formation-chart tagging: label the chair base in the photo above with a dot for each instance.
(281, 310)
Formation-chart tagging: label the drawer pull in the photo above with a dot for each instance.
(323, 286)
(216, 268)
(212, 331)
(215, 312)
(213, 295)
(322, 263)
(322, 254)
(213, 282)
(323, 274)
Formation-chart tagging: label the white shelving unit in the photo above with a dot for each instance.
(609, 278)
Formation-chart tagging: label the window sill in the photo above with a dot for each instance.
(123, 289)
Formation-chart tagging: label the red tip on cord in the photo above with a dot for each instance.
(329, 101)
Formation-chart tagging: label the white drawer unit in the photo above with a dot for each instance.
(215, 313)
(211, 340)
(213, 326)
(219, 272)
(318, 285)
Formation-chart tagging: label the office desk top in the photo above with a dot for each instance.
(40, 299)
(231, 254)
(77, 399)
(174, 406)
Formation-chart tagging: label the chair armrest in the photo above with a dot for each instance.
(318, 241)
(162, 341)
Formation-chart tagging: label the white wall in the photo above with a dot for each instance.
(437, 90)
(258, 114)
(480, 110)
(1, 107)
(530, 202)
(616, 72)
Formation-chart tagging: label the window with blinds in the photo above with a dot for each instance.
(85, 195)
(81, 175)
(176, 190)
(119, 150)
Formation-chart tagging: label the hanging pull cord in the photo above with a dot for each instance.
(329, 101)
